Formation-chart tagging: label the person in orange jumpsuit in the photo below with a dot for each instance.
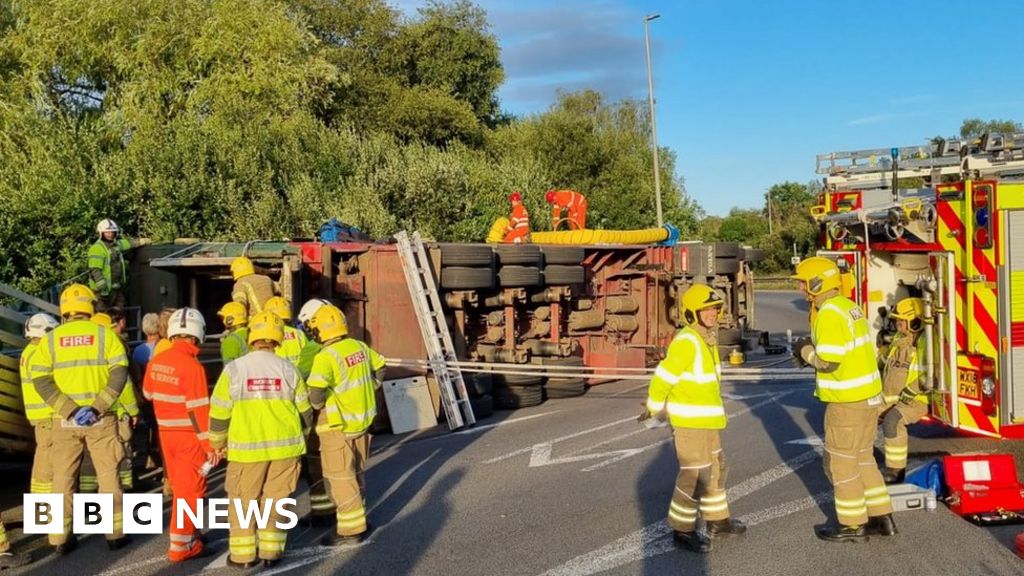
(518, 229)
(175, 383)
(571, 201)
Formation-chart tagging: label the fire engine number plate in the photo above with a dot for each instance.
(968, 383)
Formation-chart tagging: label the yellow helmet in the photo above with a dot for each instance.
(241, 266)
(911, 310)
(77, 299)
(327, 324)
(233, 314)
(820, 274)
(103, 319)
(698, 297)
(266, 326)
(280, 306)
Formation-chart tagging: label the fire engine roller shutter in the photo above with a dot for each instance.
(1015, 268)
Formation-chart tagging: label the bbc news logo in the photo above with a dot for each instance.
(144, 513)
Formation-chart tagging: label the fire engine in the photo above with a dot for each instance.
(944, 222)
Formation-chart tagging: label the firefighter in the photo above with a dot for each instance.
(685, 389)
(571, 201)
(108, 274)
(9, 559)
(37, 411)
(126, 411)
(80, 370)
(259, 416)
(322, 510)
(843, 355)
(518, 229)
(345, 377)
(235, 318)
(251, 289)
(176, 385)
(295, 341)
(905, 377)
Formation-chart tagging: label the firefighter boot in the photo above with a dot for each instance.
(893, 475)
(692, 541)
(62, 549)
(12, 560)
(882, 525)
(842, 533)
(727, 527)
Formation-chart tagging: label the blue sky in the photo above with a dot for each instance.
(748, 92)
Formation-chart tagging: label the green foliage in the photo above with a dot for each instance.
(975, 127)
(257, 119)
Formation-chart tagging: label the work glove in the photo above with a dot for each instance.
(85, 416)
(907, 395)
(651, 421)
(803, 350)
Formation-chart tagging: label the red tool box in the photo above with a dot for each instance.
(983, 488)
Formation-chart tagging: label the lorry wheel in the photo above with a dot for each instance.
(564, 275)
(518, 276)
(521, 254)
(511, 398)
(466, 255)
(462, 278)
(566, 255)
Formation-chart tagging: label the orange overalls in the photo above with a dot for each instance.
(518, 229)
(576, 205)
(176, 384)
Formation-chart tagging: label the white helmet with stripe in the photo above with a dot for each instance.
(39, 324)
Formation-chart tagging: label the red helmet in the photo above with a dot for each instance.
(550, 197)
(515, 197)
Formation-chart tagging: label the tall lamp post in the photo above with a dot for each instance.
(654, 126)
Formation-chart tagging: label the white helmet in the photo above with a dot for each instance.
(107, 225)
(39, 324)
(310, 308)
(187, 322)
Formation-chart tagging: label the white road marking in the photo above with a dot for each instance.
(771, 475)
(529, 449)
(809, 441)
(782, 510)
(541, 456)
(476, 429)
(134, 566)
(401, 480)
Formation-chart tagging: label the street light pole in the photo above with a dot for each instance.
(654, 126)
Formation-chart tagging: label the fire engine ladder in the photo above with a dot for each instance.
(993, 155)
(436, 338)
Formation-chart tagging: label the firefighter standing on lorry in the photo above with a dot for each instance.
(345, 377)
(235, 318)
(686, 388)
(80, 370)
(904, 380)
(176, 385)
(570, 201)
(842, 353)
(259, 416)
(251, 290)
(518, 229)
(108, 274)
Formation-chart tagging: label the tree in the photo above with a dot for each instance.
(975, 127)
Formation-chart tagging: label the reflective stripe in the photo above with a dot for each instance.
(694, 410)
(77, 363)
(172, 398)
(665, 375)
(360, 417)
(655, 406)
(197, 403)
(118, 359)
(181, 423)
(203, 436)
(269, 444)
(225, 404)
(848, 384)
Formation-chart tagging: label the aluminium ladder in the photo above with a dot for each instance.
(436, 338)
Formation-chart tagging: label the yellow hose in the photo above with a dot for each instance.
(648, 236)
(497, 233)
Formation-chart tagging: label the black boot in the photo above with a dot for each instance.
(842, 533)
(727, 527)
(243, 565)
(119, 543)
(692, 541)
(271, 563)
(335, 539)
(12, 560)
(894, 475)
(62, 549)
(882, 525)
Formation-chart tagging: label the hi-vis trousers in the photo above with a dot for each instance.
(850, 462)
(69, 443)
(700, 485)
(259, 481)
